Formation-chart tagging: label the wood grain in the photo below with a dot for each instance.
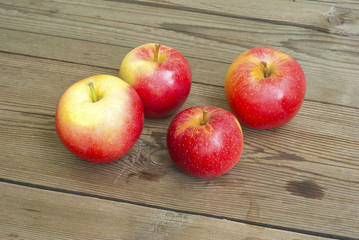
(302, 176)
(283, 12)
(325, 53)
(30, 213)
(350, 4)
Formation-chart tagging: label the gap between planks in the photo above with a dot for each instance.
(295, 155)
(39, 188)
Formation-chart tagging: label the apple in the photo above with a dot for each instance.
(161, 76)
(99, 118)
(205, 141)
(265, 88)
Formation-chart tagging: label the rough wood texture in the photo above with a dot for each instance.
(302, 177)
(28, 213)
(322, 38)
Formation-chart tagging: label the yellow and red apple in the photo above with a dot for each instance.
(205, 141)
(265, 88)
(161, 76)
(99, 118)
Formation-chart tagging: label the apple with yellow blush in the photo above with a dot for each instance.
(265, 88)
(161, 76)
(99, 118)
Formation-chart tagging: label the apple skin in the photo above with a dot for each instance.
(265, 102)
(208, 150)
(102, 131)
(164, 85)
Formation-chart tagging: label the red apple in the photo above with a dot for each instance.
(265, 88)
(99, 118)
(161, 76)
(205, 141)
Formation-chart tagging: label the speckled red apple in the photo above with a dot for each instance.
(205, 141)
(265, 88)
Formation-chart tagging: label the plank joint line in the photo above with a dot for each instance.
(78, 193)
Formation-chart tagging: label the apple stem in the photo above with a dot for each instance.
(94, 98)
(266, 70)
(203, 122)
(157, 51)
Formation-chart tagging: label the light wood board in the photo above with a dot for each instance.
(209, 41)
(302, 177)
(30, 213)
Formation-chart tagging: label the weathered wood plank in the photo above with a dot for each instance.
(350, 4)
(296, 13)
(329, 60)
(304, 175)
(30, 213)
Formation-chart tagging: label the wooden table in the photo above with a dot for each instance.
(300, 181)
